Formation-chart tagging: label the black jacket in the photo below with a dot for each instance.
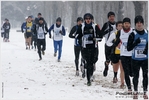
(105, 29)
(36, 26)
(6, 27)
(73, 32)
(79, 33)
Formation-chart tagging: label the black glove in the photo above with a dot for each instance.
(145, 52)
(45, 33)
(50, 36)
(90, 38)
(60, 32)
(137, 41)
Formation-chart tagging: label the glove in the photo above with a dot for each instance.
(60, 31)
(145, 52)
(50, 36)
(137, 41)
(45, 33)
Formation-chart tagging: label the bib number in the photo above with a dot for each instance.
(139, 53)
(125, 47)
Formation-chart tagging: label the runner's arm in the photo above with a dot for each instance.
(131, 43)
(50, 29)
(72, 32)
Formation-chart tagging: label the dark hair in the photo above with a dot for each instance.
(79, 19)
(29, 16)
(39, 13)
(110, 13)
(118, 22)
(126, 19)
(58, 19)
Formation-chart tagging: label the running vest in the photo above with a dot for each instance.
(124, 39)
(114, 29)
(117, 50)
(85, 40)
(57, 36)
(137, 53)
(28, 26)
(40, 33)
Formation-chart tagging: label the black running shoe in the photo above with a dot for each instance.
(88, 83)
(40, 59)
(83, 74)
(105, 72)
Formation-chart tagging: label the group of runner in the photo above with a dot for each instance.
(125, 47)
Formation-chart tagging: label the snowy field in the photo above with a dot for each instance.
(26, 78)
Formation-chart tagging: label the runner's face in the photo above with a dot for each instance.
(58, 23)
(119, 26)
(29, 19)
(111, 18)
(139, 26)
(39, 16)
(126, 25)
(40, 21)
(79, 22)
(88, 20)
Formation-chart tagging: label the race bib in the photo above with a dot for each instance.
(40, 33)
(28, 29)
(139, 52)
(143, 41)
(86, 39)
(57, 34)
(125, 47)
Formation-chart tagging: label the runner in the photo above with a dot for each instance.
(137, 42)
(40, 30)
(77, 46)
(58, 33)
(23, 29)
(125, 56)
(108, 28)
(115, 55)
(6, 27)
(89, 33)
(28, 32)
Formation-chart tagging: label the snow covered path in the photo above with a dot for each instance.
(25, 77)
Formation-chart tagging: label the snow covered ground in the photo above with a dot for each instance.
(24, 77)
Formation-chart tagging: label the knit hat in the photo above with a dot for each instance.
(126, 19)
(110, 13)
(88, 15)
(79, 19)
(58, 19)
(139, 18)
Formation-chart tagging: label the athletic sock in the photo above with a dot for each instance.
(115, 74)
